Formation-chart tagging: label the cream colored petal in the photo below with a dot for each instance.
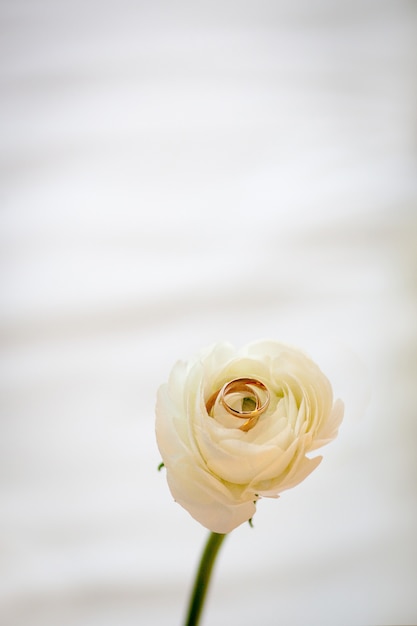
(296, 475)
(207, 499)
(278, 466)
(235, 461)
(239, 368)
(215, 359)
(330, 427)
(172, 429)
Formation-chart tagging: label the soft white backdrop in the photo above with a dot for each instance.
(175, 174)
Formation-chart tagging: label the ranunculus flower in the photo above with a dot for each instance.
(233, 426)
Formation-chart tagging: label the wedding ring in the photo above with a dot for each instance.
(244, 387)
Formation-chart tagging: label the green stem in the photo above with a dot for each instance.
(202, 579)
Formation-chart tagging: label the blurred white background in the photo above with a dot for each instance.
(176, 174)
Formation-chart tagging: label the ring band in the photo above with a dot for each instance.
(241, 386)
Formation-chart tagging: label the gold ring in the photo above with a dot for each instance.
(244, 385)
(239, 386)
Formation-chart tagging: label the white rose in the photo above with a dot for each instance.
(218, 464)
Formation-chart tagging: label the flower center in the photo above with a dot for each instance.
(244, 398)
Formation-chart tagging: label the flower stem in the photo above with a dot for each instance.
(202, 578)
